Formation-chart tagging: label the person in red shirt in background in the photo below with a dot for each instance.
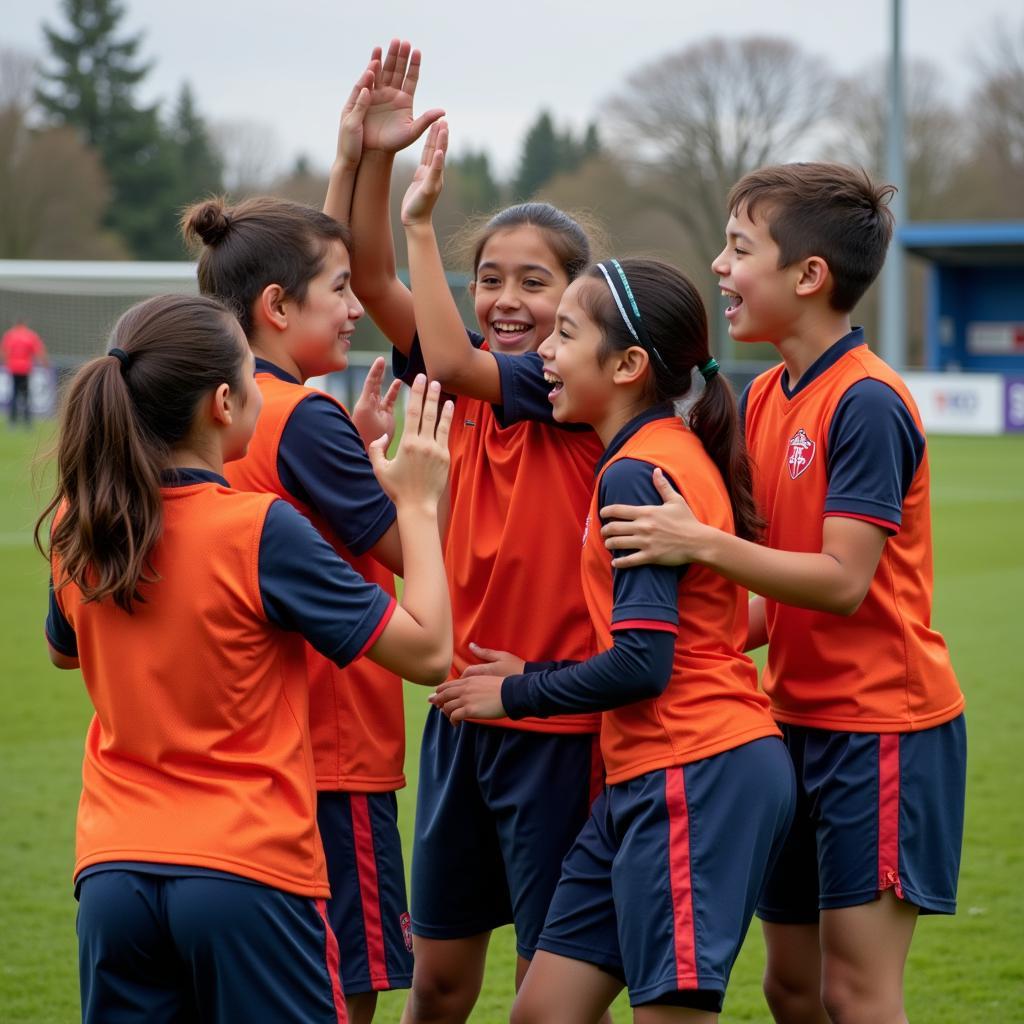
(22, 349)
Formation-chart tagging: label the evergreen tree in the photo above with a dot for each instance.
(200, 168)
(92, 88)
(478, 191)
(543, 152)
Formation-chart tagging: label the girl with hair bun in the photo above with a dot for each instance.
(660, 886)
(188, 607)
(497, 806)
(284, 269)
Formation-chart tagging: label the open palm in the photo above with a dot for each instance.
(428, 179)
(389, 124)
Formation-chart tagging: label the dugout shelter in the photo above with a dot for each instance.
(974, 305)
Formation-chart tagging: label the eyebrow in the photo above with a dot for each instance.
(531, 268)
(566, 319)
(342, 277)
(740, 236)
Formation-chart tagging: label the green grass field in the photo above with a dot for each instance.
(969, 968)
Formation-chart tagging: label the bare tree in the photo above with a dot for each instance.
(696, 121)
(935, 139)
(250, 152)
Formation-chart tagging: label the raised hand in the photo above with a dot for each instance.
(428, 179)
(389, 125)
(478, 697)
(494, 663)
(419, 470)
(353, 115)
(374, 411)
(667, 534)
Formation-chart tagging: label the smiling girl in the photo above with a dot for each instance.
(498, 803)
(661, 885)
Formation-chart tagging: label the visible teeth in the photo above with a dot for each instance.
(550, 378)
(501, 325)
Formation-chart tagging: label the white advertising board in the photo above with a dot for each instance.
(959, 403)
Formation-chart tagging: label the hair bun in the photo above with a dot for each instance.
(208, 221)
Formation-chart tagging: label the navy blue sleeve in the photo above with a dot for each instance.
(645, 593)
(524, 392)
(322, 462)
(874, 449)
(405, 367)
(306, 588)
(645, 620)
(59, 632)
(638, 667)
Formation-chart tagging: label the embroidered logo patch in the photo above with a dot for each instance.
(406, 924)
(800, 453)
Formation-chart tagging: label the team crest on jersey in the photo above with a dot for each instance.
(586, 531)
(800, 453)
(406, 924)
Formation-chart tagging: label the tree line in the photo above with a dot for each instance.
(87, 170)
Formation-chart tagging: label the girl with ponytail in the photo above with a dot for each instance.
(187, 606)
(662, 882)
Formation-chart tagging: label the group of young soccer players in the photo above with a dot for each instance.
(600, 766)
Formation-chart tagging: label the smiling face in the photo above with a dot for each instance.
(516, 291)
(581, 388)
(320, 327)
(763, 303)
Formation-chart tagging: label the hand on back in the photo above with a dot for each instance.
(419, 471)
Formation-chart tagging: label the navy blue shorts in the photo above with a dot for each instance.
(162, 949)
(368, 909)
(875, 811)
(496, 811)
(661, 885)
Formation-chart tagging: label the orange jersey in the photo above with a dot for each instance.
(198, 753)
(882, 669)
(711, 703)
(519, 496)
(356, 713)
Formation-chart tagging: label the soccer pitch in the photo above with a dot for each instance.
(963, 969)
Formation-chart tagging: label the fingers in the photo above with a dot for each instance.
(390, 61)
(628, 561)
(388, 401)
(357, 112)
(663, 487)
(627, 513)
(430, 146)
(412, 75)
(374, 375)
(625, 542)
(444, 424)
(424, 121)
(414, 409)
(364, 81)
(377, 451)
(428, 421)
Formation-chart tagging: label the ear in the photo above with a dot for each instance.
(221, 405)
(630, 366)
(270, 307)
(814, 276)
(472, 288)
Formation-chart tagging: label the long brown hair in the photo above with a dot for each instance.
(677, 326)
(121, 416)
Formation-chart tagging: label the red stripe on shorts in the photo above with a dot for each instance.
(679, 878)
(596, 769)
(369, 891)
(331, 956)
(889, 813)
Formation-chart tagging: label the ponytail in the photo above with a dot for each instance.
(715, 420)
(122, 415)
(651, 304)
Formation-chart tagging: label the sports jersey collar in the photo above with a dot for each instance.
(824, 362)
(181, 477)
(661, 411)
(266, 366)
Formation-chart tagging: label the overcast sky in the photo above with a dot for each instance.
(290, 63)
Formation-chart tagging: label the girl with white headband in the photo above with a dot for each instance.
(659, 889)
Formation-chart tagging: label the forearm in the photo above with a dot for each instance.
(815, 580)
(374, 271)
(340, 188)
(638, 667)
(447, 350)
(425, 591)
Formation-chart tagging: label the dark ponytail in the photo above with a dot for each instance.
(122, 415)
(676, 331)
